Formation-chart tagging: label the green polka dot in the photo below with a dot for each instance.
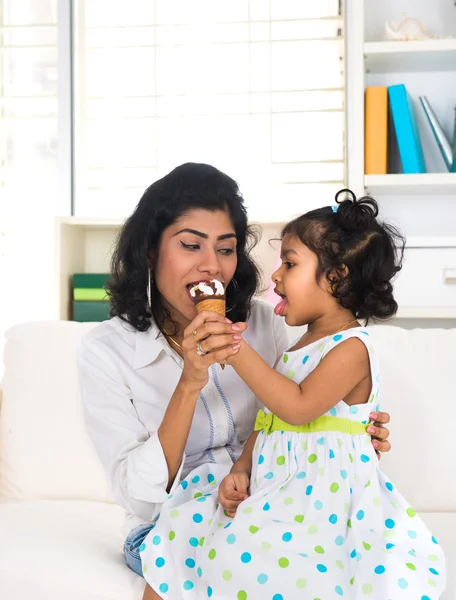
(340, 564)
(389, 534)
(340, 442)
(247, 510)
(350, 457)
(352, 581)
(212, 554)
(144, 568)
(301, 584)
(227, 575)
(266, 545)
(253, 529)
(225, 513)
(432, 583)
(210, 522)
(321, 347)
(197, 495)
(312, 529)
(411, 512)
(377, 501)
(334, 487)
(299, 518)
(433, 558)
(372, 398)
(174, 513)
(367, 546)
(213, 483)
(304, 445)
(288, 501)
(290, 374)
(242, 595)
(312, 458)
(283, 562)
(368, 483)
(172, 535)
(321, 471)
(319, 550)
(280, 460)
(368, 588)
(410, 566)
(349, 523)
(285, 358)
(201, 541)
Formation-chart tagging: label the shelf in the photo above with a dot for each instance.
(422, 183)
(430, 55)
(423, 312)
(92, 222)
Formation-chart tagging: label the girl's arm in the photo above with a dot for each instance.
(338, 373)
(244, 462)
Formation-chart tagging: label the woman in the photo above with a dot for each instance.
(156, 406)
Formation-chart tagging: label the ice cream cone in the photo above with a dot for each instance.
(213, 304)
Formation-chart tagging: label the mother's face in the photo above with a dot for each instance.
(200, 245)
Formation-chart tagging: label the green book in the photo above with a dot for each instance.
(88, 312)
(90, 280)
(90, 294)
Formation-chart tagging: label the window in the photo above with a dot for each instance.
(255, 88)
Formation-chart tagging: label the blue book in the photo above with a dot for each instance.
(406, 128)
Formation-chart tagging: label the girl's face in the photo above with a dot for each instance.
(199, 246)
(304, 298)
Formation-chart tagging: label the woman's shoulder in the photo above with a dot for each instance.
(115, 336)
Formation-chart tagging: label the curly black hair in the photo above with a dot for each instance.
(358, 254)
(189, 186)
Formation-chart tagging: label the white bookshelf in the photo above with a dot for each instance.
(419, 184)
(429, 55)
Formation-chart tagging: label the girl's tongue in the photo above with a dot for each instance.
(280, 308)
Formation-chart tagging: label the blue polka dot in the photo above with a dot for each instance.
(160, 562)
(246, 557)
(364, 458)
(188, 585)
(322, 568)
(289, 446)
(343, 474)
(142, 547)
(412, 553)
(338, 590)
(402, 583)
(277, 597)
(287, 536)
(434, 540)
(353, 554)
(425, 598)
(184, 484)
(262, 578)
(305, 359)
(337, 337)
(190, 563)
(301, 475)
(196, 479)
(379, 570)
(389, 486)
(333, 519)
(331, 454)
(227, 525)
(197, 517)
(156, 540)
(318, 504)
(269, 475)
(353, 410)
(433, 571)
(201, 499)
(360, 515)
(389, 546)
(389, 523)
(321, 441)
(266, 506)
(231, 539)
(260, 459)
(199, 570)
(339, 540)
(333, 411)
(193, 542)
(309, 489)
(163, 587)
(210, 478)
(411, 534)
(209, 592)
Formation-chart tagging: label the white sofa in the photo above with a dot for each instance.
(60, 533)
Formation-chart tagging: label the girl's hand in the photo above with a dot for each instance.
(379, 433)
(217, 336)
(233, 490)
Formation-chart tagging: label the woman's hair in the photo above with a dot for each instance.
(358, 255)
(188, 187)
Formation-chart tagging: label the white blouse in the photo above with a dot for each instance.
(127, 379)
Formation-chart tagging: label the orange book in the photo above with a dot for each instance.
(376, 131)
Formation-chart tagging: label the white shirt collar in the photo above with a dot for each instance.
(149, 344)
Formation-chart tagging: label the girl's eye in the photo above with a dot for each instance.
(289, 264)
(190, 246)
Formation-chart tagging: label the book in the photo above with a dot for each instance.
(406, 129)
(87, 312)
(376, 131)
(90, 280)
(90, 294)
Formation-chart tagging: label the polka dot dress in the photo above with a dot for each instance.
(322, 521)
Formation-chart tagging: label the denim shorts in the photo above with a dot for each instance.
(132, 544)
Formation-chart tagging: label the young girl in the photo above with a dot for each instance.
(321, 520)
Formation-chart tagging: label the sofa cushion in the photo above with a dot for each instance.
(45, 451)
(67, 550)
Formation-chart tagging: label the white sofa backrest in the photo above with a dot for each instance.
(45, 451)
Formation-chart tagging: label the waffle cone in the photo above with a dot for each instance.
(214, 304)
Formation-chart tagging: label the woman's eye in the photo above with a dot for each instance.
(190, 246)
(227, 251)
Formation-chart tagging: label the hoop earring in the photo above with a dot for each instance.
(149, 289)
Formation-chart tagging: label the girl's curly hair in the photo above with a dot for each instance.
(357, 254)
(188, 187)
